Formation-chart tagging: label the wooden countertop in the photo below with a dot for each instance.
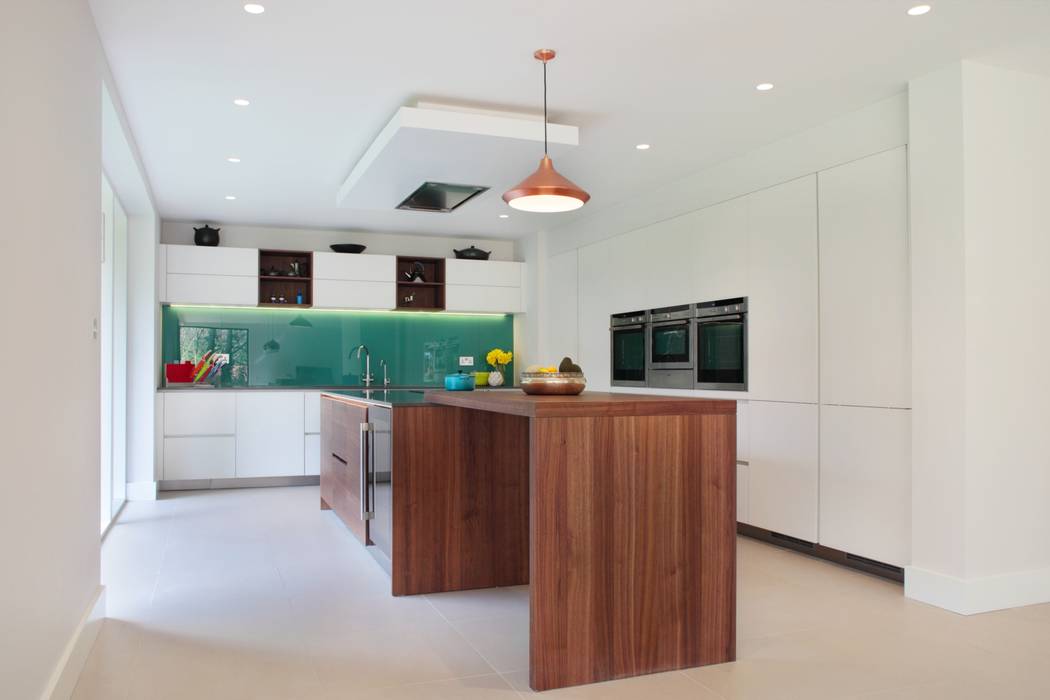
(589, 403)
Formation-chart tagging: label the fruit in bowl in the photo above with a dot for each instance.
(565, 380)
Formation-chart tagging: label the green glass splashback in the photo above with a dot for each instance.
(312, 347)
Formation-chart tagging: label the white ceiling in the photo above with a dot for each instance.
(325, 76)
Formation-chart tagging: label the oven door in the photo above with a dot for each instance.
(628, 355)
(671, 344)
(721, 354)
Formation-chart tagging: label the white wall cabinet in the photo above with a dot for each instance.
(343, 281)
(865, 482)
(203, 457)
(203, 275)
(204, 260)
(362, 268)
(783, 473)
(493, 286)
(483, 273)
(507, 300)
(719, 252)
(344, 294)
(782, 300)
(270, 433)
(220, 290)
(865, 310)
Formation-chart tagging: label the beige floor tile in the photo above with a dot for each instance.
(485, 602)
(656, 686)
(256, 593)
(490, 687)
(502, 640)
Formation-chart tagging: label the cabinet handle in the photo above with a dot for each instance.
(365, 451)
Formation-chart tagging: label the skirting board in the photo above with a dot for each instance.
(67, 671)
(977, 595)
(142, 491)
(238, 483)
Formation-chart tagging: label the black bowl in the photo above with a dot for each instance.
(347, 247)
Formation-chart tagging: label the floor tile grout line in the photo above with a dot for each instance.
(461, 635)
(700, 683)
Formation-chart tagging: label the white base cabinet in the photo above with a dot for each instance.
(205, 457)
(865, 482)
(783, 473)
(270, 433)
(224, 434)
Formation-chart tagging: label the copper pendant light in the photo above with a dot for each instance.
(546, 190)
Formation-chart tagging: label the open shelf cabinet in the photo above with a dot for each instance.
(426, 290)
(285, 274)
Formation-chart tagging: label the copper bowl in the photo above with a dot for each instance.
(553, 383)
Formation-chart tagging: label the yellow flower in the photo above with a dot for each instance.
(497, 357)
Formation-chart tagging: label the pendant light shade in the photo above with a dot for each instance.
(546, 190)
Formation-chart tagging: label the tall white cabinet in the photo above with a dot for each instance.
(865, 427)
(782, 281)
(864, 283)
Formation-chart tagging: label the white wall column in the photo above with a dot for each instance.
(979, 153)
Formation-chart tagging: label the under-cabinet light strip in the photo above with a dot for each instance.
(307, 309)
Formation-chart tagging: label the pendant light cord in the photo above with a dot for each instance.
(544, 108)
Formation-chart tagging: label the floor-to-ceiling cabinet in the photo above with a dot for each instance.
(113, 336)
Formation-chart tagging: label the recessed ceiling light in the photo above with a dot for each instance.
(241, 102)
(230, 197)
(233, 159)
(254, 8)
(643, 147)
(504, 216)
(919, 10)
(764, 87)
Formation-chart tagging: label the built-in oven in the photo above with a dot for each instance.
(627, 348)
(671, 343)
(721, 344)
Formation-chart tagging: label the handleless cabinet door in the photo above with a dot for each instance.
(312, 412)
(865, 312)
(312, 456)
(210, 457)
(718, 253)
(354, 294)
(199, 413)
(782, 304)
(226, 290)
(203, 260)
(270, 433)
(484, 273)
(505, 300)
(865, 482)
(361, 268)
(783, 472)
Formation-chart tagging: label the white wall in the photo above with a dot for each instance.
(243, 236)
(980, 182)
(49, 505)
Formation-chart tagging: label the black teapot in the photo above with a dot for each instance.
(472, 253)
(206, 236)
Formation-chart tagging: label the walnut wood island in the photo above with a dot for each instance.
(618, 510)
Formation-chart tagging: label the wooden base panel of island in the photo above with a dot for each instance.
(619, 511)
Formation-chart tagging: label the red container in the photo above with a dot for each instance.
(179, 373)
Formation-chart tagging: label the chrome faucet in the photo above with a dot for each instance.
(386, 379)
(368, 362)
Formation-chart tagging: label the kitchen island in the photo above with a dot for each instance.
(618, 510)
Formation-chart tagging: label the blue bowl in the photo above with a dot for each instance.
(459, 382)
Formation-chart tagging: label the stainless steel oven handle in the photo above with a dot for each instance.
(714, 319)
(676, 322)
(363, 452)
(634, 327)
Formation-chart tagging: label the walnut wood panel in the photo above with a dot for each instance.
(632, 566)
(588, 403)
(341, 462)
(460, 500)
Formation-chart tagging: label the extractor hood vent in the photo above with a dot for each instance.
(440, 196)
